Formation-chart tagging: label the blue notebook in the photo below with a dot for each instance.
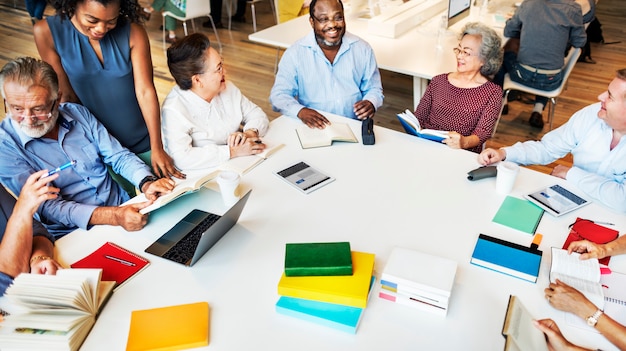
(411, 125)
(341, 317)
(507, 257)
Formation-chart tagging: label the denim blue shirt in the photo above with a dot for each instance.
(83, 187)
(306, 78)
(598, 171)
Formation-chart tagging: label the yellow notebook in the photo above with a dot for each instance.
(169, 328)
(350, 290)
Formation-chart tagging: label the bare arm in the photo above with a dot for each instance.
(48, 53)
(162, 163)
(17, 244)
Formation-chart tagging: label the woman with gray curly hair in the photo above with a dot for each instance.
(466, 102)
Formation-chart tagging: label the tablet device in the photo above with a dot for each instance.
(304, 177)
(557, 200)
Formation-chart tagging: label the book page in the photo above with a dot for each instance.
(518, 325)
(341, 132)
(583, 275)
(312, 137)
(193, 182)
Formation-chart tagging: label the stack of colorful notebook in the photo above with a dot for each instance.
(326, 283)
(418, 280)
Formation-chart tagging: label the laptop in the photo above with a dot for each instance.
(556, 200)
(195, 234)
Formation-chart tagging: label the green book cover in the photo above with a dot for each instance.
(519, 214)
(309, 259)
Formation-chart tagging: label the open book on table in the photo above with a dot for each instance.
(412, 126)
(313, 137)
(53, 311)
(244, 164)
(518, 329)
(183, 186)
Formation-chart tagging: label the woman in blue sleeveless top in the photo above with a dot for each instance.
(101, 54)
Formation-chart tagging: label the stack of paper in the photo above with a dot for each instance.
(332, 300)
(418, 280)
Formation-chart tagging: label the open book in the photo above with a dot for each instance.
(183, 187)
(313, 137)
(412, 126)
(53, 311)
(518, 329)
(583, 275)
(244, 164)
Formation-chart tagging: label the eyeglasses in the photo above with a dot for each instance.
(325, 20)
(218, 70)
(463, 53)
(38, 113)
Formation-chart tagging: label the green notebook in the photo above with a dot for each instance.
(308, 259)
(519, 214)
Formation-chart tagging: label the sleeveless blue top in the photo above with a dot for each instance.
(106, 89)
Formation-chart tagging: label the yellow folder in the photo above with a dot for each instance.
(169, 328)
(350, 290)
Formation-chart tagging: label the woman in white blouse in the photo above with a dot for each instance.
(205, 119)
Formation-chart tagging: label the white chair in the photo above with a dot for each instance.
(570, 61)
(253, 10)
(195, 9)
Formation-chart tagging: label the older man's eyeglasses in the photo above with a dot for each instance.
(463, 53)
(40, 113)
(326, 20)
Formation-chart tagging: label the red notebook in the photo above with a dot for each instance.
(584, 229)
(117, 263)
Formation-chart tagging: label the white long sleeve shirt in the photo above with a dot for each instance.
(195, 132)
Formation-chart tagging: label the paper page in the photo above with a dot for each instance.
(312, 137)
(572, 265)
(614, 287)
(521, 329)
(340, 132)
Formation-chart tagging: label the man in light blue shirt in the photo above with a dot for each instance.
(38, 133)
(595, 137)
(328, 70)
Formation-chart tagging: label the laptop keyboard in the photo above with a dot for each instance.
(575, 199)
(184, 249)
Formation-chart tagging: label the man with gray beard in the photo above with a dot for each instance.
(39, 133)
(328, 70)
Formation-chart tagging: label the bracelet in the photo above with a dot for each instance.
(39, 258)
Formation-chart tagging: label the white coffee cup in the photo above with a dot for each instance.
(507, 173)
(228, 182)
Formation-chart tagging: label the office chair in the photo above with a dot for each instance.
(570, 61)
(195, 9)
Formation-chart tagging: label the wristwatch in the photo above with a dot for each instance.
(593, 319)
(149, 178)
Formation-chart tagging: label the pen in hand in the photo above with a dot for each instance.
(60, 168)
(124, 262)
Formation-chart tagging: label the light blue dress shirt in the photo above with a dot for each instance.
(306, 78)
(85, 186)
(597, 170)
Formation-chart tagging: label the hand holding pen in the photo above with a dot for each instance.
(60, 168)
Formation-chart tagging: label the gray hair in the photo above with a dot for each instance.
(29, 71)
(490, 52)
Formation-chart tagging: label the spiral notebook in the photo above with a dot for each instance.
(118, 264)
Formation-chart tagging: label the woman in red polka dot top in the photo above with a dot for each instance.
(466, 102)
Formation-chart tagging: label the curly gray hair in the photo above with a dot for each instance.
(490, 52)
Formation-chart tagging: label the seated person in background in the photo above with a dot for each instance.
(329, 70)
(594, 136)
(25, 245)
(540, 31)
(290, 9)
(39, 133)
(565, 298)
(466, 102)
(203, 113)
(176, 7)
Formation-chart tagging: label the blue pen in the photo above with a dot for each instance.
(60, 168)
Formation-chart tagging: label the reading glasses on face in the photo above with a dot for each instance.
(35, 114)
(326, 20)
(463, 53)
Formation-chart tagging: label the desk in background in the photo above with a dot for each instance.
(415, 53)
(403, 191)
